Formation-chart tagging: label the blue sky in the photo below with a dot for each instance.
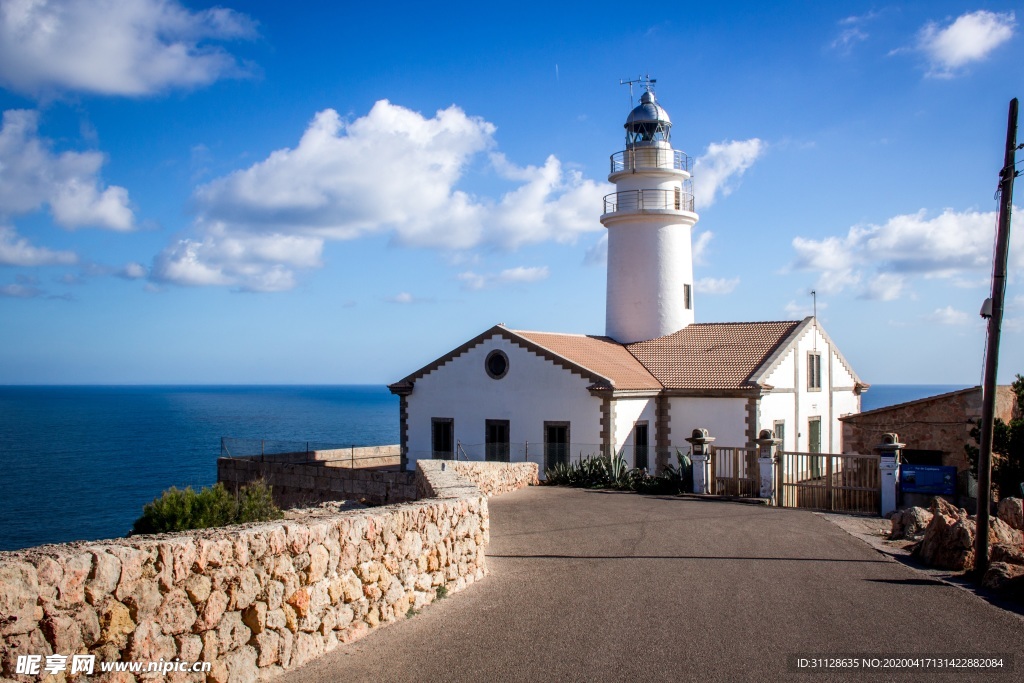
(269, 193)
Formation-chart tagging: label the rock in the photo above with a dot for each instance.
(242, 665)
(31, 643)
(275, 594)
(1004, 578)
(1011, 511)
(233, 632)
(63, 633)
(949, 540)
(103, 579)
(198, 588)
(218, 673)
(190, 648)
(176, 615)
(1005, 552)
(268, 645)
(19, 593)
(115, 622)
(299, 601)
(212, 612)
(148, 643)
(318, 559)
(244, 589)
(255, 617)
(910, 523)
(144, 600)
(87, 620)
(71, 589)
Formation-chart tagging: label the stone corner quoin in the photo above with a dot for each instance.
(256, 599)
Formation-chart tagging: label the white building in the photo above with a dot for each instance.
(656, 375)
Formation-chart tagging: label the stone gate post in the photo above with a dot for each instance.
(701, 442)
(889, 467)
(766, 445)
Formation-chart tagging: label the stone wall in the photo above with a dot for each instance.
(253, 599)
(496, 478)
(365, 456)
(939, 423)
(303, 484)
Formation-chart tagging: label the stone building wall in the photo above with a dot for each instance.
(307, 483)
(938, 423)
(254, 599)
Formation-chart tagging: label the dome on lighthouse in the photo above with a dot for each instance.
(648, 122)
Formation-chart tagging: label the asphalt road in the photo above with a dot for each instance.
(598, 586)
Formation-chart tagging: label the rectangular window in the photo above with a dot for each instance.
(496, 442)
(780, 433)
(556, 444)
(442, 438)
(813, 370)
(679, 199)
(687, 297)
(641, 444)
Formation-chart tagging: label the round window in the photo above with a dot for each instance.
(496, 364)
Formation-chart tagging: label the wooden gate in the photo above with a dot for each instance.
(734, 472)
(846, 482)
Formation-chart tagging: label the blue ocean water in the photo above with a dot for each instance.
(79, 463)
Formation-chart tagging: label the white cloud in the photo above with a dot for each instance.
(720, 168)
(392, 171)
(970, 38)
(884, 287)
(114, 47)
(405, 298)
(17, 251)
(132, 271)
(712, 285)
(802, 309)
(20, 291)
(947, 316)
(31, 176)
(851, 32)
(700, 246)
(877, 260)
(517, 275)
(248, 262)
(597, 253)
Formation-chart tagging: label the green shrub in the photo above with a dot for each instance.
(183, 509)
(611, 472)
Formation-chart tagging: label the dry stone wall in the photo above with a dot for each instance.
(255, 599)
(302, 484)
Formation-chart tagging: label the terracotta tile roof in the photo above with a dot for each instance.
(711, 355)
(602, 355)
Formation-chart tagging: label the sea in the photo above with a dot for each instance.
(80, 462)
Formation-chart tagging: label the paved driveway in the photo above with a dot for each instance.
(596, 586)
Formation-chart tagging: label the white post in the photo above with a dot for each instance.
(889, 467)
(701, 458)
(766, 444)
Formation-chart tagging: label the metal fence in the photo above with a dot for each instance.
(650, 157)
(648, 200)
(844, 482)
(328, 453)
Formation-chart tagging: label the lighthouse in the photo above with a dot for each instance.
(649, 219)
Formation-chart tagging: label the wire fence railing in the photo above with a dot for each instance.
(547, 455)
(327, 453)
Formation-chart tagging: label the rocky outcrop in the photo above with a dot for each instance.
(253, 600)
(949, 540)
(910, 523)
(1011, 511)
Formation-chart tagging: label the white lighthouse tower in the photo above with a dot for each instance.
(649, 219)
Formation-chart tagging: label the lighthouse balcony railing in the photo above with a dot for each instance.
(650, 157)
(639, 201)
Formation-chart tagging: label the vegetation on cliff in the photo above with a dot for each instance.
(183, 509)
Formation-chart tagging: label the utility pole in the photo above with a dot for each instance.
(988, 392)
